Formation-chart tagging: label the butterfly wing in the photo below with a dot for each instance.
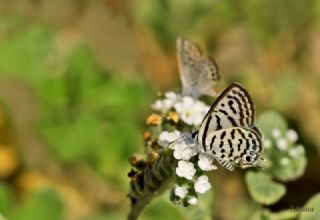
(236, 145)
(233, 108)
(228, 129)
(198, 73)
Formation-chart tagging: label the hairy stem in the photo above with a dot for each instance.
(150, 183)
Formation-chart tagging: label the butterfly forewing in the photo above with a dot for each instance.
(233, 108)
(198, 72)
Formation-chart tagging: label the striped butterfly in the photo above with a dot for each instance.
(198, 72)
(228, 131)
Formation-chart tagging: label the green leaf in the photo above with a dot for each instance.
(24, 51)
(6, 200)
(201, 211)
(311, 210)
(42, 204)
(261, 214)
(292, 171)
(270, 120)
(2, 218)
(161, 208)
(263, 189)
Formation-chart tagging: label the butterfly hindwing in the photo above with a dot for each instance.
(236, 144)
(198, 72)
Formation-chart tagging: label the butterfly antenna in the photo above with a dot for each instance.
(260, 167)
(261, 158)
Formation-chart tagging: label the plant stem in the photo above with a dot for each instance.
(152, 182)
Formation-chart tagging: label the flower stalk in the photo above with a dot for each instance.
(150, 182)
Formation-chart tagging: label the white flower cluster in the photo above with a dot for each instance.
(186, 151)
(284, 142)
(190, 110)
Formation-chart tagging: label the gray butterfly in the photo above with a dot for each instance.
(198, 72)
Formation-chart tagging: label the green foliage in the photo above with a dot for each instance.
(264, 20)
(270, 120)
(24, 49)
(263, 189)
(41, 204)
(6, 200)
(199, 211)
(168, 18)
(88, 108)
(156, 210)
(162, 209)
(310, 210)
(82, 107)
(285, 159)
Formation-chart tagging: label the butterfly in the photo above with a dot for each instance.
(198, 73)
(228, 130)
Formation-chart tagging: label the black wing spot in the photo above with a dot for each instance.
(231, 152)
(230, 143)
(219, 126)
(212, 141)
(221, 144)
(230, 103)
(223, 111)
(223, 134)
(239, 145)
(241, 133)
(232, 121)
(232, 133)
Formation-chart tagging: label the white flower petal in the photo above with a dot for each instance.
(284, 161)
(294, 152)
(205, 162)
(192, 200)
(202, 184)
(276, 133)
(185, 147)
(165, 104)
(190, 110)
(180, 191)
(300, 149)
(282, 144)
(185, 169)
(171, 95)
(166, 138)
(292, 135)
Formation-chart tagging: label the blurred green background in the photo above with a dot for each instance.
(77, 78)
